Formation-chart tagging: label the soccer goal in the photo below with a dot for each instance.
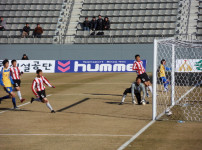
(179, 95)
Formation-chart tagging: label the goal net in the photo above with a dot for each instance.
(177, 80)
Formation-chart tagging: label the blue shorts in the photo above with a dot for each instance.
(8, 89)
(163, 79)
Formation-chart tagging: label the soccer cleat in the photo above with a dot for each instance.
(143, 102)
(16, 108)
(134, 102)
(32, 99)
(121, 103)
(52, 111)
(22, 100)
(165, 90)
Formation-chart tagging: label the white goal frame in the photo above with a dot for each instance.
(173, 100)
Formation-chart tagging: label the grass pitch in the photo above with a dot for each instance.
(87, 116)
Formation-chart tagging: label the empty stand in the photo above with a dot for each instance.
(18, 12)
(138, 19)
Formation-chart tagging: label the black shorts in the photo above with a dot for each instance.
(16, 83)
(42, 94)
(144, 77)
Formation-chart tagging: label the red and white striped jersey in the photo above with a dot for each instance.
(38, 84)
(138, 66)
(15, 73)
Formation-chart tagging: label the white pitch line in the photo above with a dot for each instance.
(21, 105)
(151, 122)
(85, 83)
(136, 135)
(106, 135)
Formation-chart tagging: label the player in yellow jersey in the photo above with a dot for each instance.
(6, 81)
(162, 74)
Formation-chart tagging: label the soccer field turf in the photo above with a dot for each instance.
(87, 116)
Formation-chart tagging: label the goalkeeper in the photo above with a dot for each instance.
(162, 74)
(135, 89)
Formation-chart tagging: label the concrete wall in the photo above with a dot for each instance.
(79, 52)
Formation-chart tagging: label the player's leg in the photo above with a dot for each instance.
(4, 97)
(128, 90)
(45, 100)
(146, 88)
(12, 94)
(150, 86)
(147, 83)
(165, 83)
(17, 87)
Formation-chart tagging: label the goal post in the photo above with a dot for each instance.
(178, 95)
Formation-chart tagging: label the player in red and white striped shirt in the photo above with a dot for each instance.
(38, 89)
(139, 68)
(15, 74)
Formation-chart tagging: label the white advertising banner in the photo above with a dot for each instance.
(189, 65)
(30, 66)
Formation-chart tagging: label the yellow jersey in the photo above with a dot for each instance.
(5, 78)
(162, 71)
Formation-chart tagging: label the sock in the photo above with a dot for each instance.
(19, 95)
(5, 97)
(37, 99)
(14, 103)
(166, 85)
(49, 106)
(150, 88)
(123, 98)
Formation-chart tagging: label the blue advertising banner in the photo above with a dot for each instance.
(74, 66)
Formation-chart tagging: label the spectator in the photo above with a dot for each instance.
(38, 31)
(100, 22)
(106, 23)
(86, 24)
(25, 57)
(2, 24)
(25, 31)
(93, 24)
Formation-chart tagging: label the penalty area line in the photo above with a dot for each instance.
(104, 135)
(86, 83)
(1, 112)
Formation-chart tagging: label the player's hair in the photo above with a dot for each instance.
(162, 61)
(39, 70)
(13, 61)
(138, 78)
(5, 61)
(137, 55)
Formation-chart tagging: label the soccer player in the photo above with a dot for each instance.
(138, 67)
(38, 84)
(135, 89)
(162, 74)
(15, 74)
(6, 81)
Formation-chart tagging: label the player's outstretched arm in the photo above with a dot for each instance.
(143, 90)
(133, 91)
(47, 82)
(168, 69)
